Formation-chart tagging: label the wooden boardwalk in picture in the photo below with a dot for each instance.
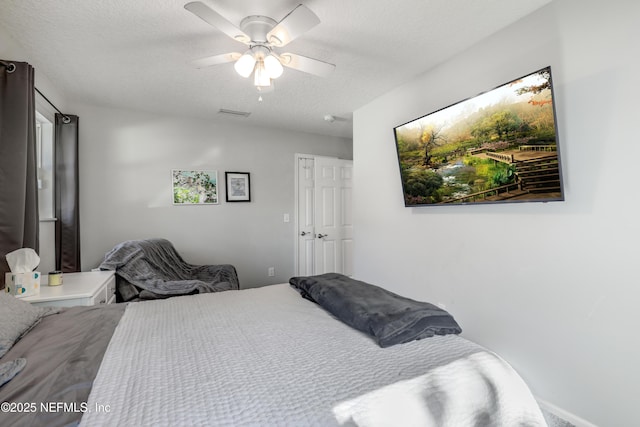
(537, 176)
(512, 156)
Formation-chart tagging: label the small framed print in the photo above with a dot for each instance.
(238, 186)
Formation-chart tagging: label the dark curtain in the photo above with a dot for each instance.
(67, 194)
(19, 219)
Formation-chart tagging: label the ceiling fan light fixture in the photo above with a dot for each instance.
(273, 66)
(260, 76)
(261, 34)
(245, 65)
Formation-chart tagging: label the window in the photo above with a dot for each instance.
(45, 153)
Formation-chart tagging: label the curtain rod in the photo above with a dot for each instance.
(65, 118)
(11, 67)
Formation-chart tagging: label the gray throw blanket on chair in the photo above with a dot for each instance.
(389, 318)
(152, 268)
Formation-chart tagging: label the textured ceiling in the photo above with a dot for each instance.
(135, 53)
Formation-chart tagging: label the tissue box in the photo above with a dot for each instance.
(22, 284)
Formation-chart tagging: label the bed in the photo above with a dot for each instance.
(253, 357)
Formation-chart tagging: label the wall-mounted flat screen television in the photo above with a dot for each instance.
(499, 146)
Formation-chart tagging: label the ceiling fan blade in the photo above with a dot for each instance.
(213, 18)
(307, 65)
(210, 61)
(298, 21)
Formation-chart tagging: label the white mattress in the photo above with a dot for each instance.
(266, 356)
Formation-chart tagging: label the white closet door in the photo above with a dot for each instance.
(333, 216)
(324, 232)
(305, 221)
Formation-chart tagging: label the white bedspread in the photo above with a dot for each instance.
(264, 357)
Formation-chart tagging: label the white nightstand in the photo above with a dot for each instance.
(87, 288)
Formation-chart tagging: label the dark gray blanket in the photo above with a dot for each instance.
(389, 318)
(156, 270)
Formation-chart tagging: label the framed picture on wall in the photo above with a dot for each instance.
(238, 186)
(194, 187)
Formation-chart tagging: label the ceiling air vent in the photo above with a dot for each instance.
(234, 113)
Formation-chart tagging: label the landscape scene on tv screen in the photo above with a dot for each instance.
(499, 146)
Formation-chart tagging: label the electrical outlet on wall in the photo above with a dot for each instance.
(271, 272)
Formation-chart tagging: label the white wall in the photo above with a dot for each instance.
(551, 287)
(126, 159)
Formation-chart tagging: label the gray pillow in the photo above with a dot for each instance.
(16, 318)
(8, 370)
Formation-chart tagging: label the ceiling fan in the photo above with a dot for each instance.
(262, 35)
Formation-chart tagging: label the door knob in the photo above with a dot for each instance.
(320, 235)
(304, 233)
